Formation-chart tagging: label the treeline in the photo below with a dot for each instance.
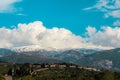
(19, 70)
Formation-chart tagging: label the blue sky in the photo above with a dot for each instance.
(57, 13)
(75, 23)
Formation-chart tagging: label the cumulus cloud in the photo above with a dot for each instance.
(36, 34)
(109, 7)
(91, 30)
(8, 5)
(107, 36)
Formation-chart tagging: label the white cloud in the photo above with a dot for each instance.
(100, 4)
(35, 34)
(21, 14)
(91, 30)
(116, 23)
(107, 36)
(109, 7)
(8, 5)
(114, 14)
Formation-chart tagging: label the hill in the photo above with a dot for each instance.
(72, 74)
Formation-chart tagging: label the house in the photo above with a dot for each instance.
(88, 68)
(53, 65)
(46, 66)
(36, 66)
(72, 66)
(62, 66)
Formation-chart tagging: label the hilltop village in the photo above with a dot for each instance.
(23, 69)
(55, 71)
(20, 70)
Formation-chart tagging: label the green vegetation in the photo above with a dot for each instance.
(23, 72)
(72, 74)
(29, 77)
(4, 67)
(2, 77)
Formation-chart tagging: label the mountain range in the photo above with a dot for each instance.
(85, 57)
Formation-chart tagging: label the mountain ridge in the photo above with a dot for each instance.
(97, 58)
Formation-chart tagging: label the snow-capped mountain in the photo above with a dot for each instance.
(50, 52)
(26, 55)
(32, 48)
(89, 57)
(33, 53)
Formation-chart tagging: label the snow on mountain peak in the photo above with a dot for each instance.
(32, 48)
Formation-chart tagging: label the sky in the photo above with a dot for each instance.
(57, 23)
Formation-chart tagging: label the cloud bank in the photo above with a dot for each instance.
(36, 33)
(8, 5)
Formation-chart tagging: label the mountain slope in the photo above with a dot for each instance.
(106, 59)
(69, 56)
(4, 52)
(22, 58)
(39, 56)
(109, 59)
(73, 56)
